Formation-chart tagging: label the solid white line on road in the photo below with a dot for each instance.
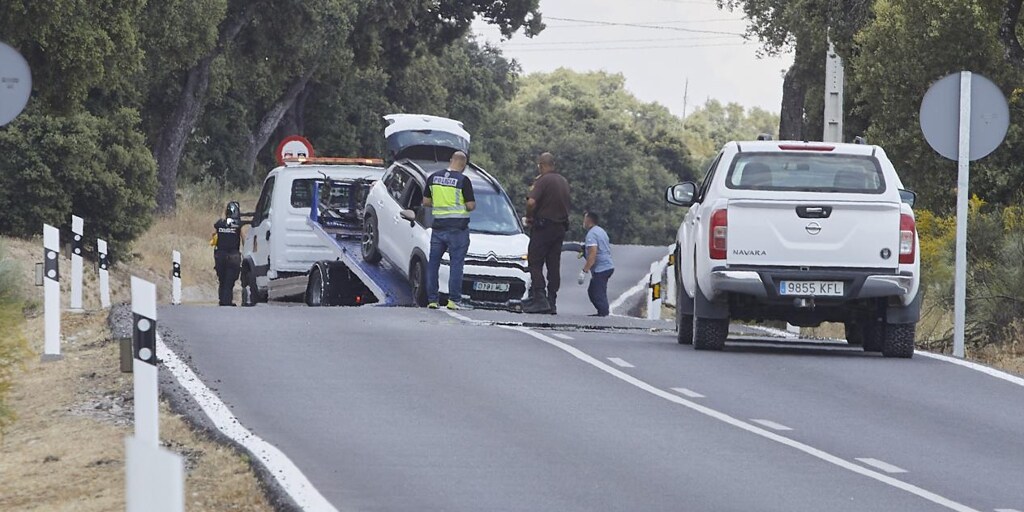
(884, 466)
(974, 366)
(563, 336)
(287, 474)
(620, 363)
(1006, 510)
(772, 425)
(725, 418)
(637, 288)
(687, 392)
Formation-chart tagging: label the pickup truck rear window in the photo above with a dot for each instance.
(806, 172)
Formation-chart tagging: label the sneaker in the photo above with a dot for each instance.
(432, 305)
(455, 306)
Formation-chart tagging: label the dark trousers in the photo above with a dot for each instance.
(546, 250)
(227, 265)
(598, 290)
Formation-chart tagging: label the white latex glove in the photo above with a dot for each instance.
(582, 277)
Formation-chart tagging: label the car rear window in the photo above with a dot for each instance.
(806, 172)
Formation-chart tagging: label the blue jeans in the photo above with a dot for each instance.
(598, 290)
(456, 243)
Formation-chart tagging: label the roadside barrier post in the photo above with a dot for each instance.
(101, 249)
(654, 297)
(51, 300)
(176, 278)
(77, 228)
(154, 476)
(670, 281)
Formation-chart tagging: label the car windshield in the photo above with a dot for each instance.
(493, 214)
(806, 172)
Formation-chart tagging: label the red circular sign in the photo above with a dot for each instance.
(293, 146)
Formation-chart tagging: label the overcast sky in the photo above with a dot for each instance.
(679, 40)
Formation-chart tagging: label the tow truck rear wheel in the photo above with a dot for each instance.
(418, 282)
(315, 289)
(371, 240)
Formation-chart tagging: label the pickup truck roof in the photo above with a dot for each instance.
(795, 145)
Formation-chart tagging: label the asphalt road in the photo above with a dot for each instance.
(632, 263)
(395, 409)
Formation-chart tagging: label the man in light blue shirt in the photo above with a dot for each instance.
(599, 264)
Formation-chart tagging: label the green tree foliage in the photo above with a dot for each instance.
(709, 127)
(618, 153)
(95, 167)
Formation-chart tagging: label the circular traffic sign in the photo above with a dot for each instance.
(294, 146)
(940, 116)
(15, 83)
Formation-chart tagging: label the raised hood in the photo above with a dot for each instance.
(423, 137)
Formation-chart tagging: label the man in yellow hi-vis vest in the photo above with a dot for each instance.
(450, 194)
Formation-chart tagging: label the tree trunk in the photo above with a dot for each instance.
(1008, 33)
(294, 121)
(794, 91)
(272, 119)
(174, 134)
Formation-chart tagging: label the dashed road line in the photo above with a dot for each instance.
(620, 363)
(688, 392)
(563, 336)
(884, 466)
(772, 425)
(751, 428)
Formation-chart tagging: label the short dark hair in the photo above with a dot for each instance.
(593, 217)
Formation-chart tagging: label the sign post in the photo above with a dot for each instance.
(176, 278)
(104, 264)
(51, 291)
(964, 117)
(77, 228)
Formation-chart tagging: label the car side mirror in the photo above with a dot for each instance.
(682, 194)
(909, 197)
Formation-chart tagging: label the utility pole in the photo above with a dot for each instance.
(834, 77)
(686, 99)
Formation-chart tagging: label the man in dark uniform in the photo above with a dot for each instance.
(547, 214)
(227, 257)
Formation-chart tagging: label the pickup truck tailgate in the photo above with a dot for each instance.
(838, 234)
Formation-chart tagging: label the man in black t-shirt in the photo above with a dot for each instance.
(227, 258)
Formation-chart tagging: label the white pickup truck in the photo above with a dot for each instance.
(803, 232)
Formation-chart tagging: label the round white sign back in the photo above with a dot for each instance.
(15, 83)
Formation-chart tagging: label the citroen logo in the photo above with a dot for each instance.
(813, 228)
(491, 256)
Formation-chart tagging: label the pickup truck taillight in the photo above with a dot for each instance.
(908, 231)
(719, 230)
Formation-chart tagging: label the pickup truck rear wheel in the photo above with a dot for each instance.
(684, 321)
(873, 335)
(371, 240)
(710, 333)
(899, 340)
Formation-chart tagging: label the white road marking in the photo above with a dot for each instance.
(884, 466)
(637, 288)
(1006, 510)
(688, 392)
(287, 474)
(1013, 379)
(773, 331)
(784, 344)
(725, 418)
(620, 363)
(563, 336)
(772, 425)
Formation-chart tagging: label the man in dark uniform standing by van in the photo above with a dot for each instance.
(227, 257)
(547, 213)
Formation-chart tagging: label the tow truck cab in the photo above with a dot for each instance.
(280, 247)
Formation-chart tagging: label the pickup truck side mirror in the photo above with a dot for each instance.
(682, 194)
(909, 197)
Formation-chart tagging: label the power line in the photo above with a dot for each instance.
(592, 49)
(638, 25)
(649, 23)
(600, 41)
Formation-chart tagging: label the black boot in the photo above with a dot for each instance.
(552, 298)
(537, 304)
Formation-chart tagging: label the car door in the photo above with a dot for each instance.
(258, 239)
(389, 219)
(691, 228)
(410, 235)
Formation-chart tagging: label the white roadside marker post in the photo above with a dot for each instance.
(176, 278)
(51, 300)
(654, 297)
(77, 228)
(104, 274)
(670, 280)
(154, 476)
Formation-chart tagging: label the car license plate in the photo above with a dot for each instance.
(812, 288)
(485, 286)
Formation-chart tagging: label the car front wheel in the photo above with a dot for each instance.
(371, 240)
